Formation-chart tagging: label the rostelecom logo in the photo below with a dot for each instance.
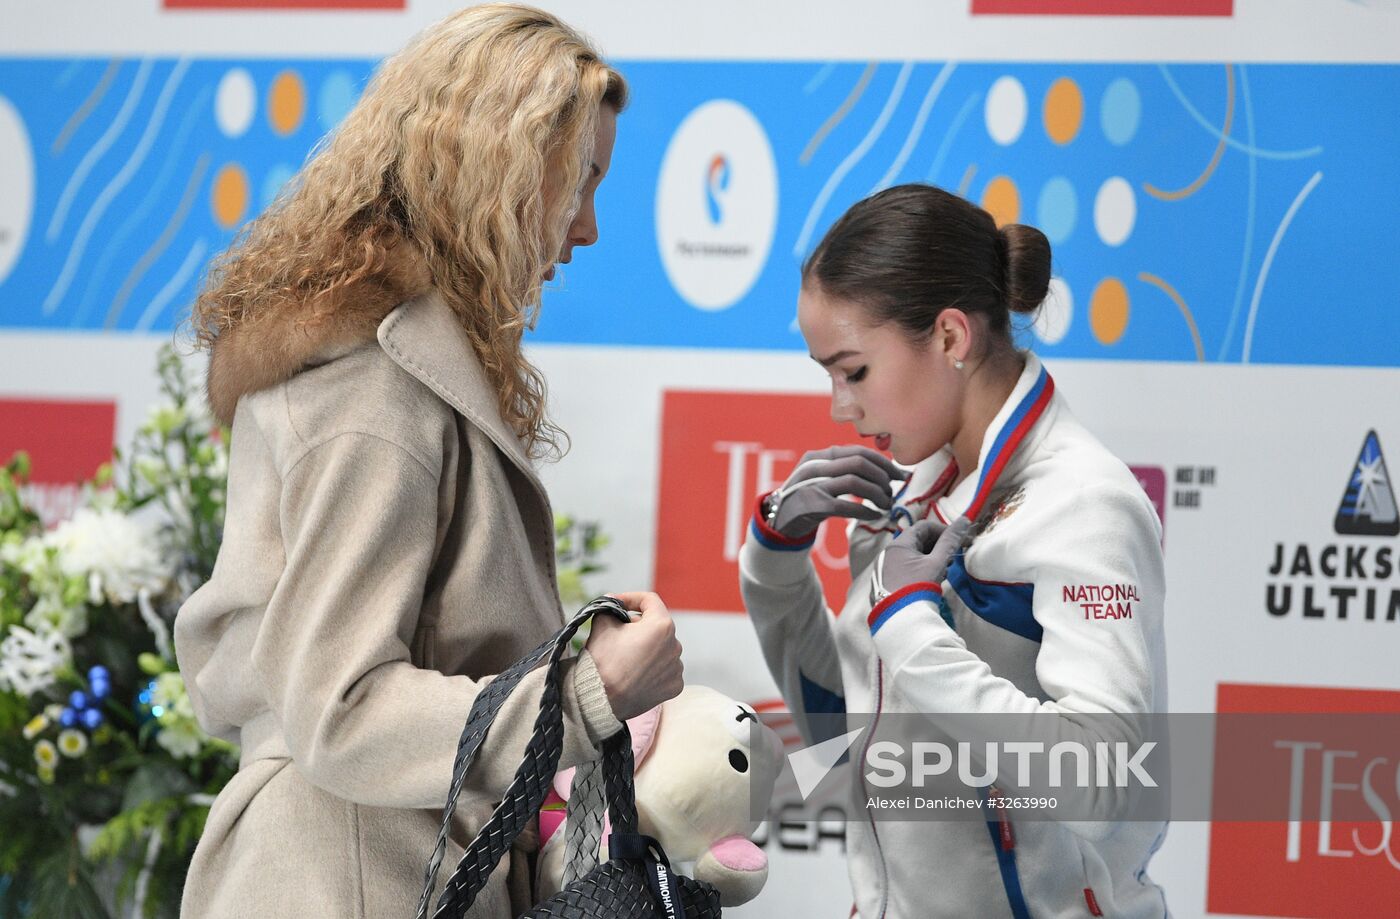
(716, 184)
(716, 205)
(1368, 504)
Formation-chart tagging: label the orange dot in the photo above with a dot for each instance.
(230, 195)
(1064, 111)
(1002, 200)
(286, 102)
(1108, 311)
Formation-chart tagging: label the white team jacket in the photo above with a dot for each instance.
(1060, 523)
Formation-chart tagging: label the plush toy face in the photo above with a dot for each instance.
(705, 767)
(704, 778)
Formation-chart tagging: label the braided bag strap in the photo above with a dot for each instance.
(527, 790)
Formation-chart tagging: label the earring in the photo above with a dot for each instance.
(957, 364)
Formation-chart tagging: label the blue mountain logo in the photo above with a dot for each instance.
(1368, 505)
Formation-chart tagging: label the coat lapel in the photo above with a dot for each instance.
(424, 337)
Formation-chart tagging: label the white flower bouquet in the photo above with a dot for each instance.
(105, 775)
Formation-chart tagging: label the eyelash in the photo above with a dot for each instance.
(857, 376)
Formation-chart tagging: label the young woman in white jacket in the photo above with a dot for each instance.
(1015, 569)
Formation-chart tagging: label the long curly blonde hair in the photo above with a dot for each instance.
(465, 156)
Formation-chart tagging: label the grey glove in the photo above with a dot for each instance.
(920, 554)
(813, 492)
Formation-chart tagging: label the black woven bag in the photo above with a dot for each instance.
(637, 881)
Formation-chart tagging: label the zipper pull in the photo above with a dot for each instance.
(1008, 835)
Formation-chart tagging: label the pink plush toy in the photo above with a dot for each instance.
(697, 773)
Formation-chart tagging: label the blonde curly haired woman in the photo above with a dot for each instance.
(389, 545)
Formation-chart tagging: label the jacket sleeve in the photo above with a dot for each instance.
(784, 598)
(359, 517)
(1097, 606)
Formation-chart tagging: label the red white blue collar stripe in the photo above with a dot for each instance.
(1012, 433)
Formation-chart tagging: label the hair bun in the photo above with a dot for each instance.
(1026, 263)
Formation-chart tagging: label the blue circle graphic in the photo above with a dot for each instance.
(337, 96)
(1121, 111)
(1057, 210)
(277, 176)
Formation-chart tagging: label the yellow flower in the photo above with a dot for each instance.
(46, 775)
(72, 744)
(35, 726)
(45, 754)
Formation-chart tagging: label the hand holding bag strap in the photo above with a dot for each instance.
(484, 710)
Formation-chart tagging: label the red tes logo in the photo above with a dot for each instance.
(1347, 865)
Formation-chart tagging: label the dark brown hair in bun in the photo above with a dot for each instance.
(911, 251)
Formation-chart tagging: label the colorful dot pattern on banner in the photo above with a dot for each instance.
(335, 99)
(1120, 111)
(1006, 110)
(1063, 111)
(1002, 200)
(1108, 311)
(1057, 210)
(1052, 322)
(277, 178)
(286, 102)
(236, 103)
(1115, 211)
(1210, 191)
(230, 196)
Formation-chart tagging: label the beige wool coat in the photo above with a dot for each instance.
(388, 548)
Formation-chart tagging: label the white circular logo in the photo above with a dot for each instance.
(716, 205)
(16, 186)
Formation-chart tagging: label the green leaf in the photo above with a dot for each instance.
(155, 781)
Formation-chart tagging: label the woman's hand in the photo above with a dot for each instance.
(639, 662)
(813, 492)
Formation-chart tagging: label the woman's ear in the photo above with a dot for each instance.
(952, 335)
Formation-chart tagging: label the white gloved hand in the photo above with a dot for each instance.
(919, 555)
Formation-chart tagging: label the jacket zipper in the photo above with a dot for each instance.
(865, 749)
(1008, 835)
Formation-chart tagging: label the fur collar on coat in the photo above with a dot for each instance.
(275, 345)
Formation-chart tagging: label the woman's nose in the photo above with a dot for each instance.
(843, 408)
(584, 230)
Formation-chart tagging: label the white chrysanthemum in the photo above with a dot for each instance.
(29, 661)
(170, 695)
(51, 613)
(29, 555)
(72, 744)
(117, 554)
(181, 738)
(179, 731)
(46, 754)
